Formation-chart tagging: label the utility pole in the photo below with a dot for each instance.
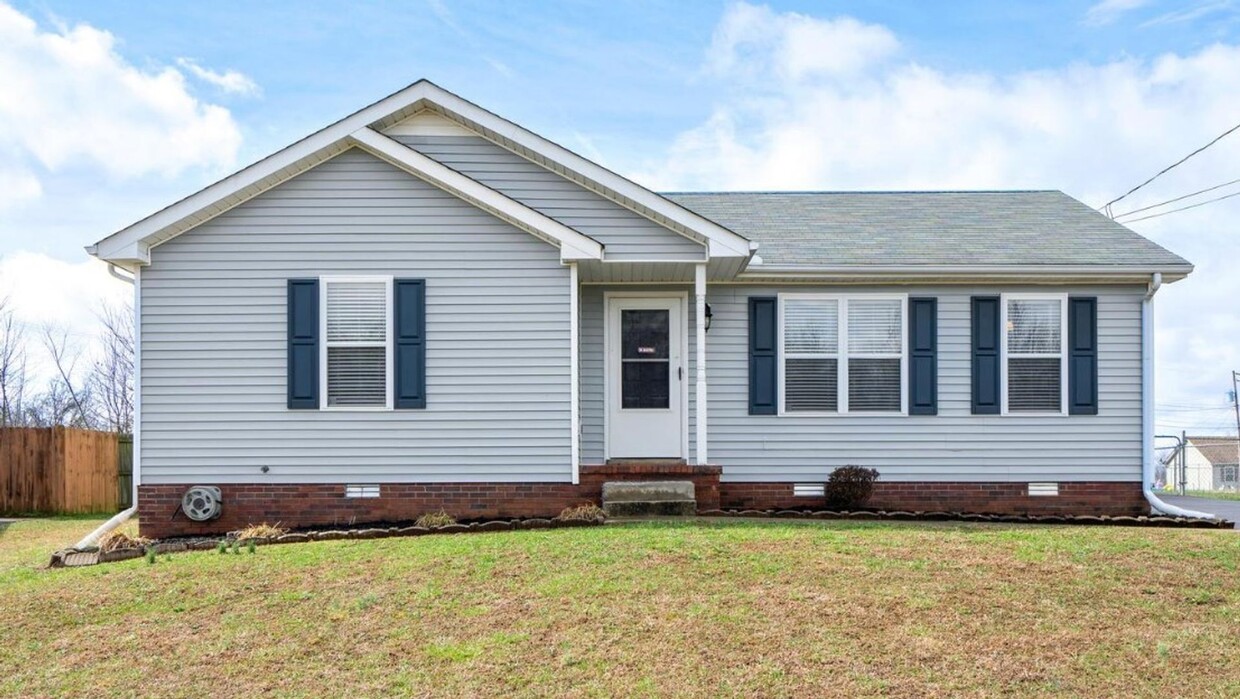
(1235, 402)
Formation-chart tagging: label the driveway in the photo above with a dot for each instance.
(1227, 509)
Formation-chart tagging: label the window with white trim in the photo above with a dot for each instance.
(842, 353)
(1036, 359)
(357, 349)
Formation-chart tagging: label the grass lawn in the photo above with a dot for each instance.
(778, 608)
(1213, 494)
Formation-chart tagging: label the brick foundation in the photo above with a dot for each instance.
(305, 505)
(1077, 498)
(324, 504)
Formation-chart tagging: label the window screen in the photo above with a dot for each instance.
(875, 344)
(811, 350)
(356, 342)
(1035, 355)
(819, 361)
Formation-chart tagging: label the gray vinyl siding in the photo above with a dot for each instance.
(625, 234)
(951, 446)
(214, 324)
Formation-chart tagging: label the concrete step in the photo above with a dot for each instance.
(649, 498)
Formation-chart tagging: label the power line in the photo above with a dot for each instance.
(1172, 201)
(1183, 208)
(1169, 168)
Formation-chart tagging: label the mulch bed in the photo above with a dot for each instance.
(71, 558)
(1121, 520)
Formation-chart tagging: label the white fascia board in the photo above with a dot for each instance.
(290, 161)
(289, 157)
(573, 245)
(964, 272)
(723, 242)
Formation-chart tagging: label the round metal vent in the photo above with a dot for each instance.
(202, 502)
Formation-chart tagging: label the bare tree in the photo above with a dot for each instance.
(67, 400)
(12, 368)
(111, 378)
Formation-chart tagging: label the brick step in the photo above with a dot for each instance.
(649, 498)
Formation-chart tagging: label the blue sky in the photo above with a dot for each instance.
(1085, 97)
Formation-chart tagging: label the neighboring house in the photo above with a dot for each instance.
(425, 305)
(1210, 463)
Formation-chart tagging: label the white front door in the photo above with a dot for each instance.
(645, 377)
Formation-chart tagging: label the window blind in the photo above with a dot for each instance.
(1035, 355)
(875, 345)
(356, 338)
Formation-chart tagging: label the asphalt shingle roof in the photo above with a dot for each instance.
(926, 228)
(1219, 451)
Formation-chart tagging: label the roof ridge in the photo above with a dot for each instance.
(868, 191)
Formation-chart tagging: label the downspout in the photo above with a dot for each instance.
(121, 517)
(1147, 407)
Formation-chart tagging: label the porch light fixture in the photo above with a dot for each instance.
(709, 315)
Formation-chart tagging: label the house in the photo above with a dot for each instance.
(424, 305)
(1210, 463)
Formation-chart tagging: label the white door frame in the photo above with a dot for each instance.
(683, 298)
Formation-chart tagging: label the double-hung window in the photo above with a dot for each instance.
(842, 354)
(1036, 360)
(356, 360)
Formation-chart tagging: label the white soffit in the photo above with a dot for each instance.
(427, 123)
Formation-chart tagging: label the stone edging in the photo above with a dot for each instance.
(72, 558)
(1121, 520)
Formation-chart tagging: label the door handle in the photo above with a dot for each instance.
(680, 373)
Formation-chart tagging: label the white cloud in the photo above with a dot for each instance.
(230, 81)
(1107, 11)
(1092, 130)
(755, 40)
(70, 101)
(46, 291)
(18, 186)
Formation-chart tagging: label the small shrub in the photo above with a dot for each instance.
(849, 487)
(251, 545)
(588, 512)
(261, 531)
(435, 519)
(222, 547)
(117, 539)
(150, 555)
(236, 547)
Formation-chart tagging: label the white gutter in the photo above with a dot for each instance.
(121, 517)
(1147, 407)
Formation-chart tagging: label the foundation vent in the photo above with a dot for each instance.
(1043, 490)
(808, 490)
(361, 491)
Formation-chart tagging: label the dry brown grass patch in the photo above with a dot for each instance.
(435, 519)
(261, 531)
(117, 539)
(588, 512)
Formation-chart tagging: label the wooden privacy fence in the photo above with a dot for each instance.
(58, 469)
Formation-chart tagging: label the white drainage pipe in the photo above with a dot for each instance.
(121, 517)
(1147, 408)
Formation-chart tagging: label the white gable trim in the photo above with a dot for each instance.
(132, 245)
(573, 245)
(721, 241)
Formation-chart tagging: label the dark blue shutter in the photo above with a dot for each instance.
(986, 339)
(923, 384)
(303, 344)
(1082, 356)
(410, 337)
(763, 359)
